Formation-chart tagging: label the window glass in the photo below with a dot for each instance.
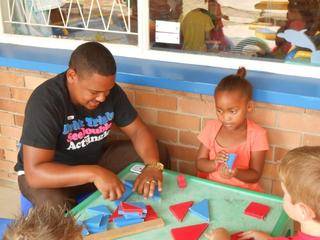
(286, 31)
(113, 21)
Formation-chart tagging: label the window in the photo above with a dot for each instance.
(112, 21)
(233, 33)
(278, 31)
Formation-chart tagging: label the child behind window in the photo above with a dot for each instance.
(233, 133)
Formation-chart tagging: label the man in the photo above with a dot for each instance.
(67, 121)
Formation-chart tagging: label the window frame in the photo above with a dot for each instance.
(144, 51)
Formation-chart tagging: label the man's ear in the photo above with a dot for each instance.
(306, 213)
(72, 76)
(250, 106)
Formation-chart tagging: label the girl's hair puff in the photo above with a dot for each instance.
(236, 82)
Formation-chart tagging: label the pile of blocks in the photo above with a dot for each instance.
(129, 213)
(97, 223)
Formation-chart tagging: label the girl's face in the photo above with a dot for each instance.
(294, 15)
(232, 108)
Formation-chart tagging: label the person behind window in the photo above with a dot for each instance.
(44, 223)
(216, 33)
(233, 132)
(299, 173)
(301, 15)
(195, 29)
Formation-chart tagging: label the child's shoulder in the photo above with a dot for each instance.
(253, 126)
(213, 123)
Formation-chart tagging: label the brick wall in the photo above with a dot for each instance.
(175, 118)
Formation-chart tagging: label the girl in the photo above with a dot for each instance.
(233, 133)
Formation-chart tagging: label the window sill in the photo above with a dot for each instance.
(271, 88)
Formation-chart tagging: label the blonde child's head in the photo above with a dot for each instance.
(299, 173)
(233, 99)
(44, 223)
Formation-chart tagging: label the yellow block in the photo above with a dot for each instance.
(272, 5)
(265, 35)
(256, 25)
(302, 54)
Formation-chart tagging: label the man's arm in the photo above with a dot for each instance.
(146, 147)
(42, 172)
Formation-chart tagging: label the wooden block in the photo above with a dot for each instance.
(180, 210)
(122, 222)
(192, 232)
(128, 230)
(231, 159)
(151, 214)
(201, 209)
(257, 210)
(181, 181)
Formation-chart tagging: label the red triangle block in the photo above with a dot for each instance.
(180, 210)
(151, 214)
(192, 232)
(237, 235)
(114, 215)
(257, 210)
(127, 207)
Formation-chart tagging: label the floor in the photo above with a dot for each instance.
(9, 199)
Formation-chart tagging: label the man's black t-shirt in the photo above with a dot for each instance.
(77, 135)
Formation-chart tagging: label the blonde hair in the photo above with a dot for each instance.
(300, 173)
(44, 223)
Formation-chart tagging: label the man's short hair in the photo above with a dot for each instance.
(92, 57)
(44, 223)
(299, 171)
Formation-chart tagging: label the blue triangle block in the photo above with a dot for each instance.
(103, 226)
(140, 205)
(94, 222)
(129, 183)
(201, 210)
(126, 194)
(121, 222)
(101, 209)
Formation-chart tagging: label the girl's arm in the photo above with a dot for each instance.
(255, 170)
(203, 163)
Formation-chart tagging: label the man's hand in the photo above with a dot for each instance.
(147, 181)
(108, 184)
(256, 235)
(218, 234)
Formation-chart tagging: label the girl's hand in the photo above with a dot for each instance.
(253, 234)
(218, 234)
(221, 157)
(225, 172)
